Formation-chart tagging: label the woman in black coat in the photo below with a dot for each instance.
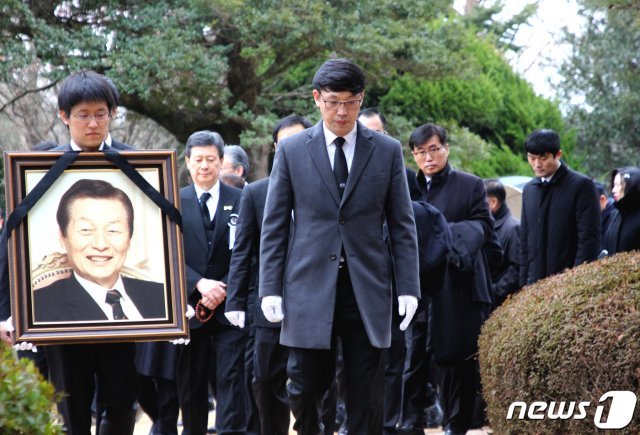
(623, 232)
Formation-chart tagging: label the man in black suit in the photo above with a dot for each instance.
(326, 272)
(560, 221)
(86, 103)
(209, 213)
(269, 357)
(95, 221)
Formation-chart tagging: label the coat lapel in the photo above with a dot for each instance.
(223, 214)
(194, 217)
(364, 148)
(318, 150)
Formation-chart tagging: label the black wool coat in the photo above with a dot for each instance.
(560, 225)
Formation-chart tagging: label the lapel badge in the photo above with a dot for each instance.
(228, 207)
(233, 220)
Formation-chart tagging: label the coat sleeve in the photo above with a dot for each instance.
(243, 252)
(402, 230)
(5, 297)
(588, 219)
(274, 240)
(523, 249)
(508, 281)
(479, 209)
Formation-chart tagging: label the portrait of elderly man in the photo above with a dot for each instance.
(95, 221)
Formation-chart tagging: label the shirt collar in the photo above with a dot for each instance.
(330, 136)
(214, 191)
(75, 146)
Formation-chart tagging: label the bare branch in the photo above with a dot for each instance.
(25, 93)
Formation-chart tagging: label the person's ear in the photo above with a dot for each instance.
(316, 97)
(64, 117)
(63, 246)
(559, 154)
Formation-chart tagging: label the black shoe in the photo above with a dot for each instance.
(453, 432)
(433, 416)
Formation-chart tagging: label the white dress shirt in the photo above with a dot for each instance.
(212, 202)
(349, 146)
(99, 295)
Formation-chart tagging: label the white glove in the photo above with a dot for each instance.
(184, 341)
(236, 318)
(8, 326)
(190, 312)
(407, 306)
(272, 308)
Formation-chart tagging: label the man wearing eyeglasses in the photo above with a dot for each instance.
(326, 273)
(464, 301)
(86, 102)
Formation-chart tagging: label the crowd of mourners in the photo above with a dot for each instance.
(345, 289)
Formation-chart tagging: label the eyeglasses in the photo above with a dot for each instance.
(433, 152)
(349, 105)
(87, 118)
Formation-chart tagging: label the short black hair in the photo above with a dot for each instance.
(543, 141)
(425, 132)
(289, 121)
(370, 112)
(204, 138)
(496, 189)
(339, 75)
(94, 189)
(86, 86)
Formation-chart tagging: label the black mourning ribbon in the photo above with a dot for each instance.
(206, 217)
(65, 160)
(340, 168)
(113, 299)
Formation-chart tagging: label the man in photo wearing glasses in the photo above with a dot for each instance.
(327, 273)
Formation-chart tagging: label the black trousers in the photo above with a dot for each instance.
(394, 367)
(192, 375)
(311, 372)
(269, 381)
(80, 370)
(459, 386)
(414, 379)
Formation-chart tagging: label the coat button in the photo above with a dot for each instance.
(333, 257)
(341, 220)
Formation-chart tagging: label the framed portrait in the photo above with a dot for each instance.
(97, 254)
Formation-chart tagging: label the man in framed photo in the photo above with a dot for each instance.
(95, 221)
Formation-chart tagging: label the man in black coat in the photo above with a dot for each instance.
(464, 300)
(269, 356)
(560, 222)
(506, 277)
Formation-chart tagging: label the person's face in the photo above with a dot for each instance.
(204, 166)
(618, 188)
(372, 123)
(288, 131)
(544, 165)
(98, 239)
(88, 124)
(432, 156)
(341, 119)
(227, 168)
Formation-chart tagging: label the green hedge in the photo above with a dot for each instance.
(571, 337)
(26, 400)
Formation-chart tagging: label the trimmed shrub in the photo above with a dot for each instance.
(26, 400)
(571, 337)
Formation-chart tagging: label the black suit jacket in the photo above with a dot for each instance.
(114, 144)
(245, 258)
(200, 263)
(67, 301)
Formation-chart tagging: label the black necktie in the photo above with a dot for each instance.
(113, 299)
(206, 217)
(340, 168)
